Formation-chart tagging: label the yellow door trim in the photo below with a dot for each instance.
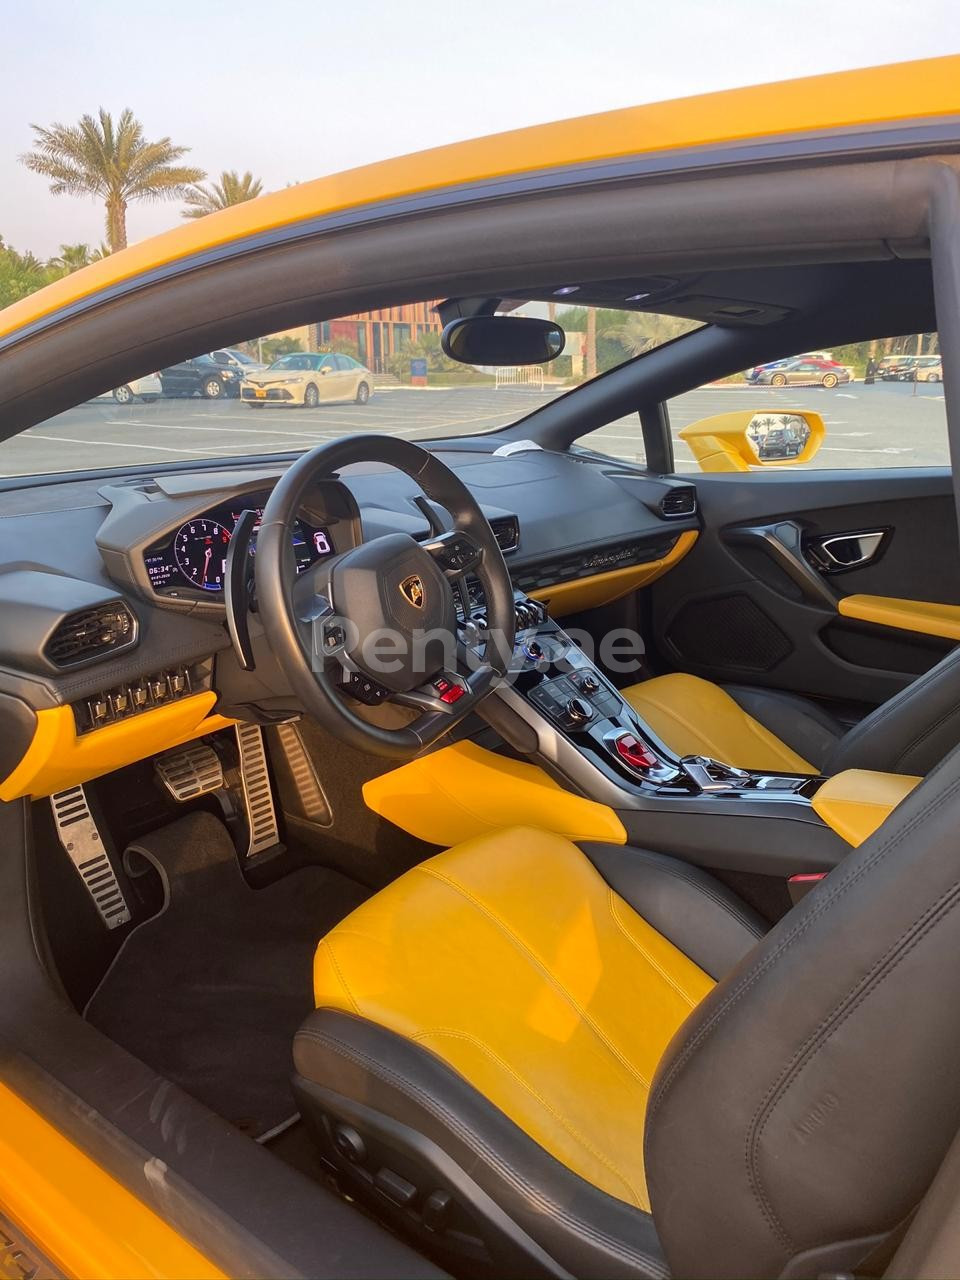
(603, 588)
(464, 791)
(86, 1222)
(59, 757)
(923, 616)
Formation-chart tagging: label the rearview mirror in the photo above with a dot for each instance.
(502, 340)
(744, 439)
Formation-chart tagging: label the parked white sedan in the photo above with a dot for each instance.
(148, 388)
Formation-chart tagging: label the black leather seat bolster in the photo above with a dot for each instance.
(369, 1070)
(812, 732)
(913, 731)
(699, 915)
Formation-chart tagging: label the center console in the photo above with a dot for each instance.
(596, 744)
(560, 683)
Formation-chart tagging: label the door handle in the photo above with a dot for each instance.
(839, 552)
(783, 542)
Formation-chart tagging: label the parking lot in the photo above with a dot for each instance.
(888, 424)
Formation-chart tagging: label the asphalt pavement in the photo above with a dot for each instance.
(887, 424)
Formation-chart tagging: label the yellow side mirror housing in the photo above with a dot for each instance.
(745, 439)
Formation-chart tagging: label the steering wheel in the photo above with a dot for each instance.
(383, 614)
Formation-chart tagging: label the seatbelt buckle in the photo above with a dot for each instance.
(800, 885)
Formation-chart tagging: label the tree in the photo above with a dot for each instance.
(71, 258)
(274, 348)
(21, 274)
(114, 162)
(230, 189)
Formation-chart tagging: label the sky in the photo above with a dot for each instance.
(294, 90)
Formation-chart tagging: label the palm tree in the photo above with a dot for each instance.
(229, 190)
(71, 258)
(112, 161)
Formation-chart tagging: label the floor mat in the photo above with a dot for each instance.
(210, 991)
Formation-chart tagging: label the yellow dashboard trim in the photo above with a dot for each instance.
(923, 616)
(463, 791)
(604, 588)
(856, 802)
(59, 757)
(86, 1222)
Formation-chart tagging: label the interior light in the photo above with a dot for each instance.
(565, 289)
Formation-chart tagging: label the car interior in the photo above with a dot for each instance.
(519, 960)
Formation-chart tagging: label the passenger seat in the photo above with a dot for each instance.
(765, 729)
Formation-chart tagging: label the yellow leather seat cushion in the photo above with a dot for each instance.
(511, 959)
(694, 717)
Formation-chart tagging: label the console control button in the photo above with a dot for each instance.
(635, 753)
(578, 711)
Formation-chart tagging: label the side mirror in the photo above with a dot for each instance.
(745, 439)
(324, 371)
(502, 340)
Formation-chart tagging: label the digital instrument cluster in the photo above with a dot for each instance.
(193, 558)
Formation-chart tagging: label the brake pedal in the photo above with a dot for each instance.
(80, 837)
(190, 772)
(264, 831)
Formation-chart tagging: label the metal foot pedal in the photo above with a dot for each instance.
(84, 845)
(311, 800)
(190, 772)
(257, 791)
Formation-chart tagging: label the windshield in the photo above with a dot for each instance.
(381, 371)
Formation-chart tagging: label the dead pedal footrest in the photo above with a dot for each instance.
(257, 790)
(190, 772)
(80, 837)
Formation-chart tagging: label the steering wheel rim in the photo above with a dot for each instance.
(284, 621)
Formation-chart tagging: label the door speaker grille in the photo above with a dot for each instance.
(728, 631)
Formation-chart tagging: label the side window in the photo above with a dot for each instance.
(881, 402)
(345, 364)
(329, 363)
(221, 357)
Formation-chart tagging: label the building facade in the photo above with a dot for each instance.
(376, 335)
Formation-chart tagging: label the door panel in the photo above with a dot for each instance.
(752, 605)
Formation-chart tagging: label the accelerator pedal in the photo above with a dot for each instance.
(80, 837)
(190, 772)
(257, 789)
(310, 796)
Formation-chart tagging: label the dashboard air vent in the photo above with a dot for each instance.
(91, 633)
(678, 502)
(506, 530)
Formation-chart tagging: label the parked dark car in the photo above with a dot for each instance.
(200, 376)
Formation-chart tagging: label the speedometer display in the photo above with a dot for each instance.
(192, 559)
(200, 548)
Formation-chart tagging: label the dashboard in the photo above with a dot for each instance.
(115, 584)
(193, 557)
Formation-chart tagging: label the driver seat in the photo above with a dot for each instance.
(541, 1059)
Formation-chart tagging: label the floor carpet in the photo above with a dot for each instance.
(210, 991)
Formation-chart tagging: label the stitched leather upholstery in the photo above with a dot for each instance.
(506, 1004)
(796, 1117)
(694, 717)
(510, 958)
